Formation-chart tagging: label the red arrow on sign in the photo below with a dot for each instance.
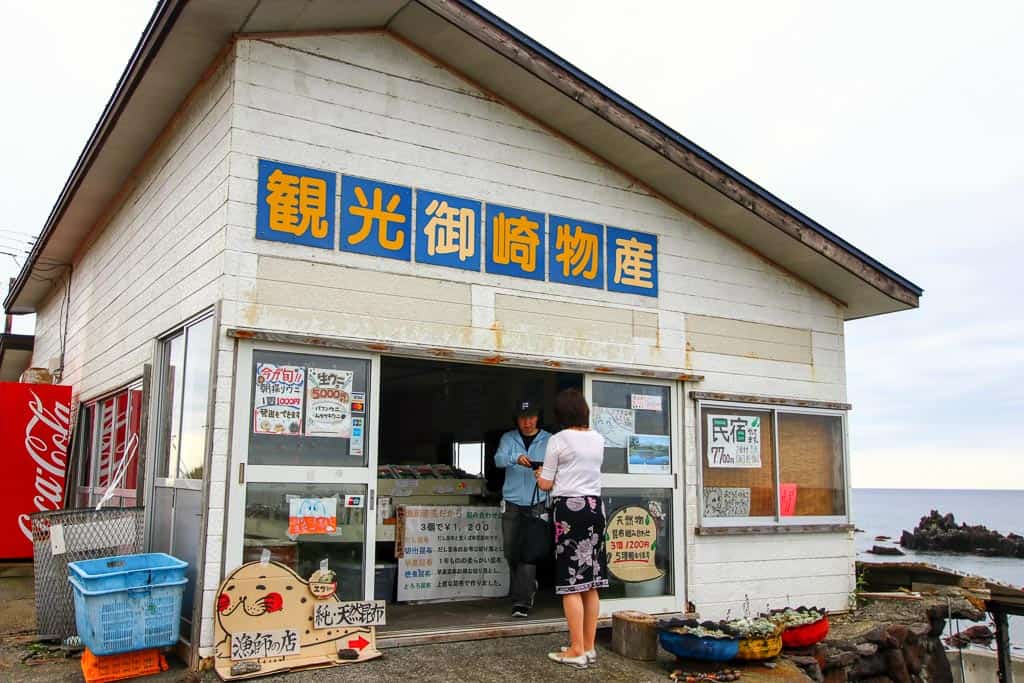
(359, 643)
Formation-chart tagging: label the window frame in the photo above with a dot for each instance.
(778, 521)
(159, 458)
(87, 480)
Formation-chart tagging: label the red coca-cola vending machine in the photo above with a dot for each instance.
(35, 428)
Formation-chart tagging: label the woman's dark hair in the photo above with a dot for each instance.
(571, 409)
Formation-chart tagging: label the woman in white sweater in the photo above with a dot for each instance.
(572, 473)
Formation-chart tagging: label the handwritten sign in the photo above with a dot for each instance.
(256, 644)
(631, 539)
(451, 552)
(312, 516)
(358, 613)
(277, 408)
(726, 501)
(328, 402)
(614, 424)
(645, 402)
(734, 441)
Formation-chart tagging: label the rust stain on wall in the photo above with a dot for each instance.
(498, 334)
(378, 347)
(442, 353)
(602, 368)
(552, 364)
(494, 360)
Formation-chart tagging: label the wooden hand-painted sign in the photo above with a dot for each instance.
(265, 624)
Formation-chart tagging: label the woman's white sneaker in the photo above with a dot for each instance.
(580, 662)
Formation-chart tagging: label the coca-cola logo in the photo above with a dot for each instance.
(46, 444)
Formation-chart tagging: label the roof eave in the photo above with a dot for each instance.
(872, 290)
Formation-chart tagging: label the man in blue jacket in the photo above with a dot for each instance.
(517, 450)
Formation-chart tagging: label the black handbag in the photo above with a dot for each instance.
(536, 536)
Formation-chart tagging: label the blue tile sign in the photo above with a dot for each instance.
(296, 205)
(376, 218)
(448, 230)
(576, 252)
(515, 242)
(632, 262)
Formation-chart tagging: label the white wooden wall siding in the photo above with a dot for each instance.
(157, 261)
(367, 105)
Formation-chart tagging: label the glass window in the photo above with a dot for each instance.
(743, 477)
(638, 541)
(738, 463)
(170, 405)
(811, 465)
(185, 400)
(109, 456)
(635, 422)
(309, 410)
(469, 457)
(303, 524)
(195, 399)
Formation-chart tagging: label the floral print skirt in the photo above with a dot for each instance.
(580, 561)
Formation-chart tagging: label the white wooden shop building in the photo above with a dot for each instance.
(207, 236)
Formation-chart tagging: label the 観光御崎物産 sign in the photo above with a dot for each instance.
(296, 205)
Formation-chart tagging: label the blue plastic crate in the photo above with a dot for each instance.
(119, 620)
(128, 571)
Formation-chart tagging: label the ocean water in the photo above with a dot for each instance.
(887, 512)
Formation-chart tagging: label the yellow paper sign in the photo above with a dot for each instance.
(631, 539)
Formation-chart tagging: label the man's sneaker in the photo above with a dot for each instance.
(590, 654)
(521, 611)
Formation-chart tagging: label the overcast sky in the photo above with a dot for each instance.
(896, 125)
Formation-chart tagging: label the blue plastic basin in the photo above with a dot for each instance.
(706, 649)
(127, 571)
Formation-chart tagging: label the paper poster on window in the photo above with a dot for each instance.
(312, 516)
(328, 402)
(734, 441)
(451, 552)
(726, 502)
(787, 499)
(649, 454)
(278, 399)
(645, 402)
(355, 446)
(616, 425)
(631, 540)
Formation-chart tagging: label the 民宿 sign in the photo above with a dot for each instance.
(734, 441)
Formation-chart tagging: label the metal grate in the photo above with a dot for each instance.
(87, 535)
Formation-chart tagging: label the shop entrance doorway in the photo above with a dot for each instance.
(440, 427)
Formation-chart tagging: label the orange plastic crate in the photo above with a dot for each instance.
(97, 669)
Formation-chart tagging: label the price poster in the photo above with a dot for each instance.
(278, 397)
(631, 539)
(451, 552)
(329, 403)
(734, 441)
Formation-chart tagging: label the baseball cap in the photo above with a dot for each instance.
(526, 407)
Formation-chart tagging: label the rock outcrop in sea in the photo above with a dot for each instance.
(941, 533)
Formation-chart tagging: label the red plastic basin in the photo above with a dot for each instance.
(808, 634)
